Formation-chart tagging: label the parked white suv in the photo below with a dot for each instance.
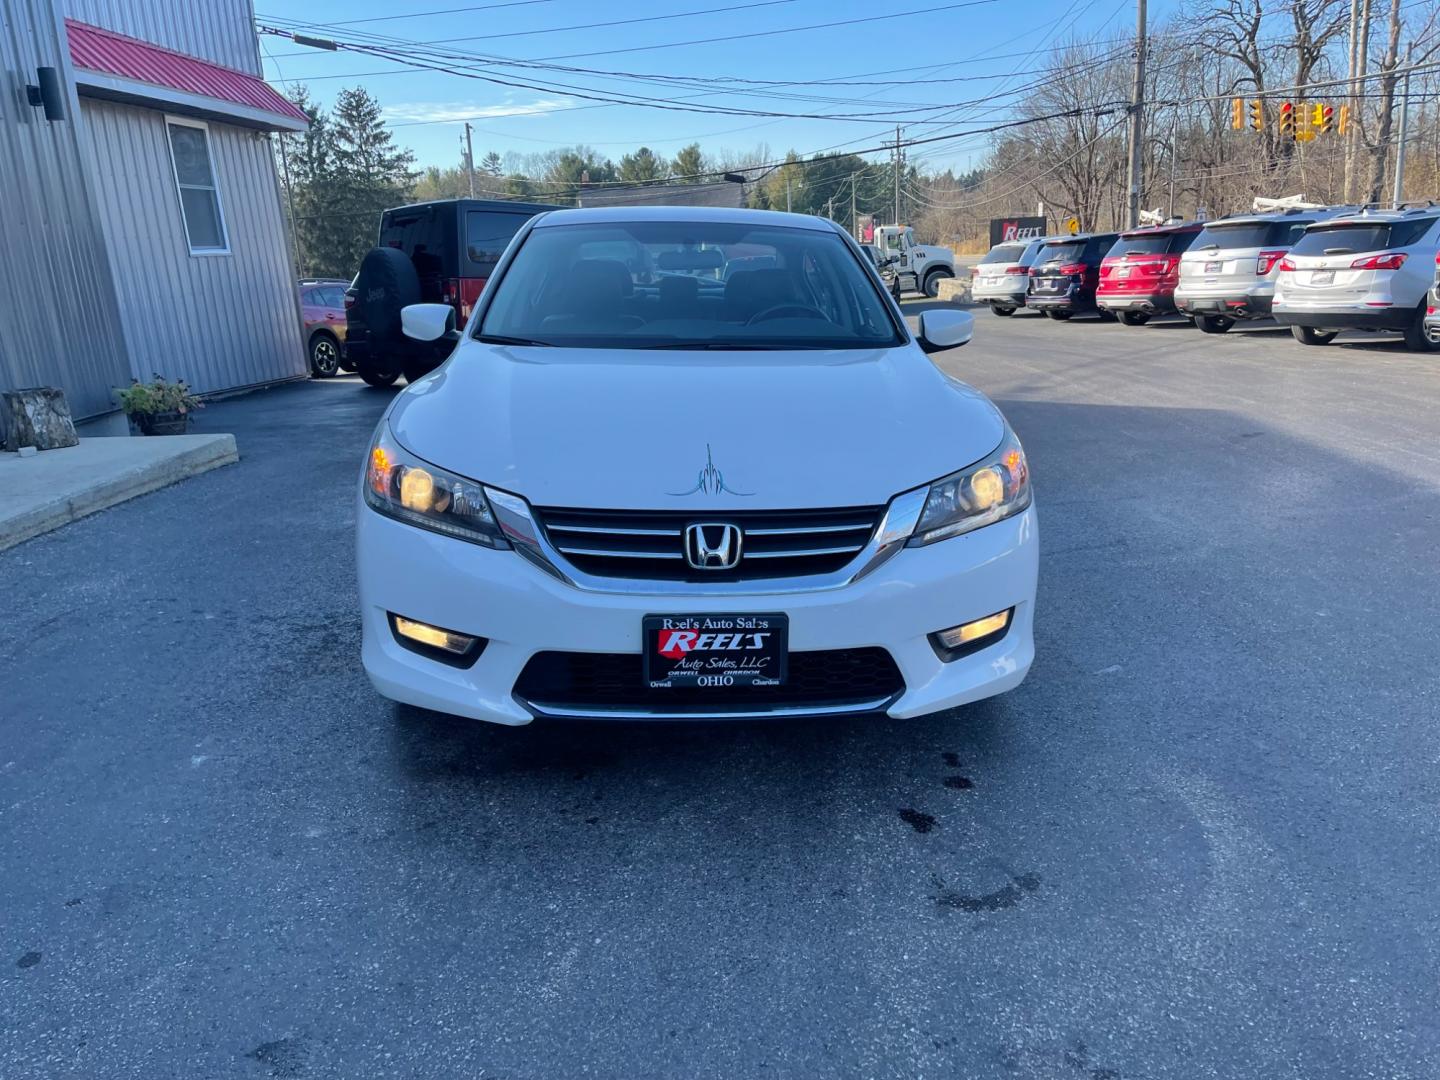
(1003, 276)
(735, 487)
(1432, 316)
(1366, 271)
(1229, 273)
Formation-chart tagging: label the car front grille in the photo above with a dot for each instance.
(839, 680)
(649, 545)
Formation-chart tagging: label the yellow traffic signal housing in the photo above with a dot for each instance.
(1317, 115)
(1257, 114)
(1344, 124)
(1325, 118)
(1237, 113)
(1287, 119)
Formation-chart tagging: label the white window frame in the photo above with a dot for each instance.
(185, 121)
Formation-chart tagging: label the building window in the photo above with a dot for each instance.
(195, 178)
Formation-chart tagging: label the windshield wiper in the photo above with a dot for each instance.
(502, 339)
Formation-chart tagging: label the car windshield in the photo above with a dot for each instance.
(687, 284)
(1250, 234)
(1361, 236)
(1004, 253)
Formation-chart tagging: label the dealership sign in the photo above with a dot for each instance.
(1015, 228)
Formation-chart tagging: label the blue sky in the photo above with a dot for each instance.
(986, 46)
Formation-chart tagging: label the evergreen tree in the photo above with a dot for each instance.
(641, 166)
(370, 174)
(491, 164)
(689, 163)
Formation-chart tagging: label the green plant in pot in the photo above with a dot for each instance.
(159, 407)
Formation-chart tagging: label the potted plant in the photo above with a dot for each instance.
(159, 407)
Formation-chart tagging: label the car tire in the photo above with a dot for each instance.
(1416, 340)
(1107, 316)
(377, 378)
(1213, 324)
(932, 282)
(1308, 335)
(324, 355)
(1134, 318)
(1001, 309)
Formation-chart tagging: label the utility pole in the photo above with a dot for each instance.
(295, 250)
(854, 220)
(1400, 135)
(1174, 126)
(1137, 114)
(470, 159)
(897, 171)
(787, 191)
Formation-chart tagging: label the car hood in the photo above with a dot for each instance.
(761, 430)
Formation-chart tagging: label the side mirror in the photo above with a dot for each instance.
(941, 330)
(427, 322)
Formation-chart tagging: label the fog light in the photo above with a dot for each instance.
(957, 637)
(433, 636)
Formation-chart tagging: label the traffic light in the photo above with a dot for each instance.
(1325, 118)
(1237, 113)
(1287, 120)
(1257, 114)
(1344, 124)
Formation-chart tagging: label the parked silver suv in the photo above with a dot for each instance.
(1367, 271)
(1003, 275)
(1228, 273)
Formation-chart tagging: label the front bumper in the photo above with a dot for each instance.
(521, 611)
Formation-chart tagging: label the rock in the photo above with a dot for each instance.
(954, 290)
(28, 451)
(38, 417)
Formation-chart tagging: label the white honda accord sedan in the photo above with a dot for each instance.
(690, 463)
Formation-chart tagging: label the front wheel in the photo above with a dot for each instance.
(1213, 324)
(1416, 340)
(324, 356)
(1001, 309)
(1308, 335)
(932, 282)
(1134, 318)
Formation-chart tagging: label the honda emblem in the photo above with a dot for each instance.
(712, 545)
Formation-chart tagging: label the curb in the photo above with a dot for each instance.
(203, 453)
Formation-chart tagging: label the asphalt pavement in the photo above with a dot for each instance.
(1200, 841)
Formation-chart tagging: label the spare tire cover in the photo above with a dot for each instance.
(386, 283)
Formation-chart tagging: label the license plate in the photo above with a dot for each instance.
(1322, 277)
(1123, 271)
(1213, 267)
(715, 651)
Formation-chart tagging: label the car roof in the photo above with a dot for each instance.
(1168, 228)
(731, 215)
(511, 205)
(1377, 217)
(1067, 239)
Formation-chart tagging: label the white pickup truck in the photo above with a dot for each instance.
(913, 267)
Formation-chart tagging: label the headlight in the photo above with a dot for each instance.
(986, 492)
(400, 485)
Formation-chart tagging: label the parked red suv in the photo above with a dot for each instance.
(450, 248)
(1139, 275)
(322, 313)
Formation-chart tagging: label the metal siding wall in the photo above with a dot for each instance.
(59, 321)
(221, 31)
(217, 321)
